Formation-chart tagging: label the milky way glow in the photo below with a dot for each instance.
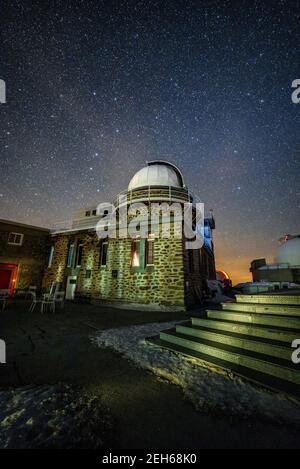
(95, 89)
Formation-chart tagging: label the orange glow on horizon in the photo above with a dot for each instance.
(235, 254)
(237, 267)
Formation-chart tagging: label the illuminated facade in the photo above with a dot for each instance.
(150, 271)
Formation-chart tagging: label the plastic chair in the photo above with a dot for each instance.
(34, 302)
(31, 289)
(59, 297)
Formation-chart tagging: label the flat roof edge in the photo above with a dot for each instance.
(25, 225)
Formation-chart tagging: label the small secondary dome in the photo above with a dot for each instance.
(157, 173)
(289, 252)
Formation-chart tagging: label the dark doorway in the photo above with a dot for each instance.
(8, 274)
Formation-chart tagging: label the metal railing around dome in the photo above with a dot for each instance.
(153, 194)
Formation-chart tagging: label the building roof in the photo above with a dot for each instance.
(24, 225)
(157, 173)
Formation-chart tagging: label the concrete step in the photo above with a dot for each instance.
(269, 299)
(293, 311)
(253, 375)
(258, 319)
(265, 332)
(276, 368)
(263, 346)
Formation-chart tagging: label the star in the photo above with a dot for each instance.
(99, 91)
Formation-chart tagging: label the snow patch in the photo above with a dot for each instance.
(220, 391)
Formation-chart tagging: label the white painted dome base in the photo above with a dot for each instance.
(289, 253)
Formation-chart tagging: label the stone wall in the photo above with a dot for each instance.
(57, 271)
(30, 272)
(169, 282)
(199, 265)
(30, 257)
(161, 284)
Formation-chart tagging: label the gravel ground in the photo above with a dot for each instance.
(60, 416)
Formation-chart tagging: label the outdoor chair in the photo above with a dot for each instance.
(47, 301)
(59, 297)
(34, 301)
(50, 301)
(31, 289)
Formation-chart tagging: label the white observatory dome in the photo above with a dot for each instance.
(157, 173)
(289, 252)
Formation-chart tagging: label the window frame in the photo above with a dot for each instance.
(51, 256)
(149, 241)
(102, 251)
(70, 258)
(88, 274)
(15, 234)
(136, 242)
(79, 252)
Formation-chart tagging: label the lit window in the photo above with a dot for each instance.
(103, 253)
(79, 254)
(135, 255)
(70, 255)
(150, 252)
(51, 255)
(15, 239)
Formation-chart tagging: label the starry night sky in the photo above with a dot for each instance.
(97, 88)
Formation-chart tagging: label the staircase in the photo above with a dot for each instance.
(251, 337)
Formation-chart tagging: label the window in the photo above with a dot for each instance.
(94, 213)
(103, 253)
(51, 255)
(15, 239)
(79, 254)
(88, 274)
(70, 255)
(88, 213)
(150, 252)
(135, 253)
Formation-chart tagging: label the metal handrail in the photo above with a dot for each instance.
(148, 193)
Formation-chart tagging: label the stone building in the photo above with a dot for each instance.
(23, 255)
(149, 271)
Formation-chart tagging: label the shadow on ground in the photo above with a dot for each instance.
(145, 412)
